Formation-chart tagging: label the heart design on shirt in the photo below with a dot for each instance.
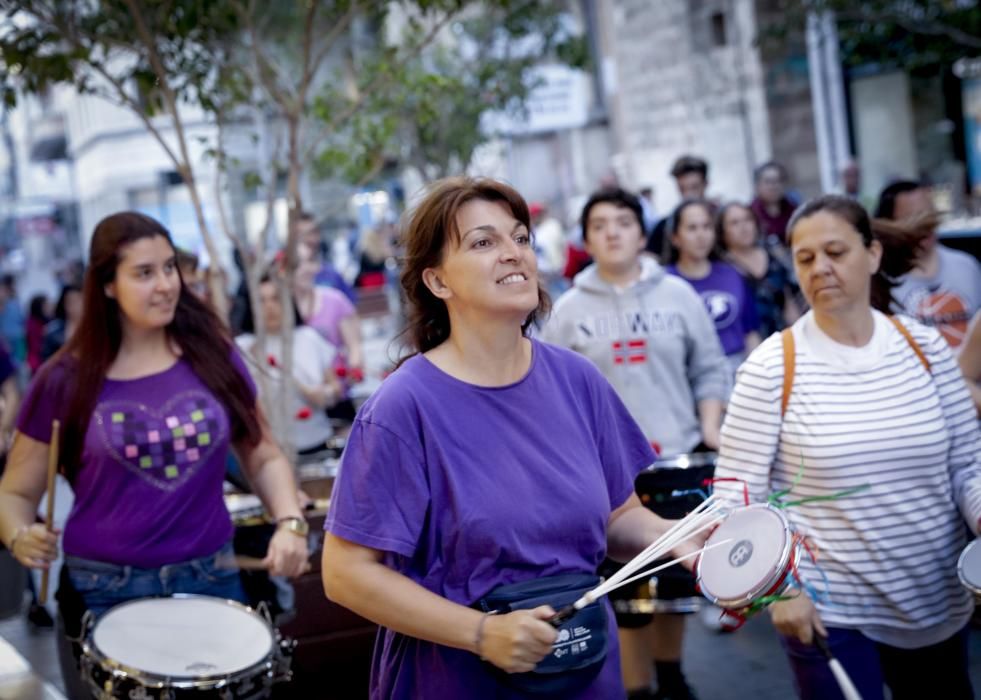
(167, 445)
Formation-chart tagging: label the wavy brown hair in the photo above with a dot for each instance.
(87, 356)
(430, 228)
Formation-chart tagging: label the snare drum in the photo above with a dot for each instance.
(672, 487)
(183, 646)
(759, 561)
(969, 568)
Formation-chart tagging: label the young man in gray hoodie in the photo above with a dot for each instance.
(650, 335)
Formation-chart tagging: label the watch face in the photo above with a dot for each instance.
(296, 525)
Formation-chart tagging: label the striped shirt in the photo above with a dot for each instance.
(866, 416)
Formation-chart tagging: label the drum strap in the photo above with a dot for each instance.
(790, 358)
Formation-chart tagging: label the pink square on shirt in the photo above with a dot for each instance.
(154, 436)
(172, 422)
(189, 429)
(192, 454)
(132, 451)
(179, 444)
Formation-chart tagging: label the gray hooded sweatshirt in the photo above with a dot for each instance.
(653, 341)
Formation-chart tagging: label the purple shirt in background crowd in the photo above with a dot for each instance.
(149, 490)
(468, 488)
(729, 301)
(332, 308)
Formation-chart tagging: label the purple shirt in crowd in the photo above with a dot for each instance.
(468, 488)
(149, 490)
(729, 301)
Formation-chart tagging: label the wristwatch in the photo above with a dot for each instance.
(295, 524)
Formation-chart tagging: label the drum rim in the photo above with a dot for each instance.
(158, 681)
(691, 460)
(789, 556)
(974, 588)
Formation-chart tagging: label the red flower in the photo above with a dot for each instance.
(272, 361)
(304, 413)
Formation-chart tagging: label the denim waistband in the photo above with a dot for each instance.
(105, 567)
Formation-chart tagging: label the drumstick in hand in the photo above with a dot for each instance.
(42, 597)
(848, 688)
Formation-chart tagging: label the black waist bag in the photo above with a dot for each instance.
(580, 648)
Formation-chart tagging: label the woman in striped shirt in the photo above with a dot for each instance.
(865, 410)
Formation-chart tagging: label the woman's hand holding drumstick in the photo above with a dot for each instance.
(798, 618)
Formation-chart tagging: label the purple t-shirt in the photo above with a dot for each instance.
(469, 488)
(332, 308)
(149, 490)
(730, 303)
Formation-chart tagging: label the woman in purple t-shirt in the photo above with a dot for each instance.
(486, 459)
(726, 295)
(150, 395)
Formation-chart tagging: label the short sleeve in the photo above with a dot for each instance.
(338, 301)
(243, 370)
(381, 497)
(47, 399)
(623, 450)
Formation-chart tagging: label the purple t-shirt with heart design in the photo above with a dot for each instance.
(149, 490)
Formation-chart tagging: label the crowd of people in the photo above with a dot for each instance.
(457, 517)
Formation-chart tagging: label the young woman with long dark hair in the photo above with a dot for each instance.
(151, 395)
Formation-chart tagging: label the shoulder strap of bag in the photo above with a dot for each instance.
(912, 342)
(790, 356)
(789, 360)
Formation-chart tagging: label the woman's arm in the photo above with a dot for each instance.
(632, 528)
(11, 402)
(21, 488)
(323, 395)
(350, 327)
(970, 361)
(710, 420)
(271, 477)
(355, 577)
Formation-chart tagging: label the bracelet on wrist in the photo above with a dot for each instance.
(479, 639)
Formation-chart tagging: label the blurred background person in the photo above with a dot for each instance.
(944, 289)
(550, 247)
(330, 313)
(68, 313)
(774, 288)
(690, 174)
(13, 327)
(310, 234)
(725, 294)
(376, 249)
(772, 205)
(38, 316)
(313, 386)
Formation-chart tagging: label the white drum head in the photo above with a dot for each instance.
(969, 567)
(746, 567)
(183, 637)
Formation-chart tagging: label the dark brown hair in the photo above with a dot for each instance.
(430, 228)
(720, 222)
(86, 357)
(674, 225)
(900, 244)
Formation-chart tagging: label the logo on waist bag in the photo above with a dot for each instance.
(741, 553)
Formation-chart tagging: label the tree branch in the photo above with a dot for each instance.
(377, 81)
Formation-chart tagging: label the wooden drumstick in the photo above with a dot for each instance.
(42, 597)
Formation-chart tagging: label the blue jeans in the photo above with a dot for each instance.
(103, 585)
(940, 670)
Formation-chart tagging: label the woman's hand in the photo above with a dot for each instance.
(797, 618)
(34, 546)
(287, 554)
(516, 642)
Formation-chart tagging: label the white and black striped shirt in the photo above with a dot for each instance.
(875, 416)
